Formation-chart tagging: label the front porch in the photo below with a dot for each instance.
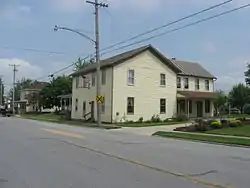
(196, 104)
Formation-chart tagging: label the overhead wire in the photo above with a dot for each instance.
(164, 33)
(179, 28)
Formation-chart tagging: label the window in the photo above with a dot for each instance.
(207, 85)
(186, 83)
(103, 77)
(131, 77)
(163, 106)
(93, 79)
(207, 106)
(77, 81)
(130, 105)
(103, 107)
(197, 84)
(76, 105)
(190, 107)
(84, 107)
(178, 82)
(163, 80)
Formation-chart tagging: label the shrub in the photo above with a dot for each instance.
(181, 117)
(155, 119)
(241, 119)
(224, 123)
(209, 122)
(235, 123)
(201, 125)
(166, 120)
(216, 125)
(140, 120)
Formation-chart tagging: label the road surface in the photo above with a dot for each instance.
(43, 155)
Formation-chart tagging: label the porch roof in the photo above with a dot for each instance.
(196, 95)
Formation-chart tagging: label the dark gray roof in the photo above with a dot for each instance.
(112, 61)
(191, 69)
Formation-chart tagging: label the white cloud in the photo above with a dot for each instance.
(68, 5)
(25, 69)
(14, 11)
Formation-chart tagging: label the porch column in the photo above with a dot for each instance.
(203, 110)
(188, 108)
(212, 108)
(61, 103)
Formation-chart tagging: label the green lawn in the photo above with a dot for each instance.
(149, 124)
(50, 117)
(205, 138)
(236, 131)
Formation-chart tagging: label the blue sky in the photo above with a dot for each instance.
(220, 45)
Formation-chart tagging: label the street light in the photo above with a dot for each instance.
(56, 28)
(96, 43)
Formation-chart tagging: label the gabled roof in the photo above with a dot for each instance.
(191, 69)
(37, 86)
(120, 58)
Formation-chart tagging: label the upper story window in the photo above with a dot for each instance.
(207, 85)
(186, 83)
(93, 79)
(197, 84)
(131, 77)
(163, 80)
(77, 82)
(178, 82)
(103, 77)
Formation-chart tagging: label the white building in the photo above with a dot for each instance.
(142, 83)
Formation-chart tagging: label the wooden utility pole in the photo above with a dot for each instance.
(97, 43)
(14, 66)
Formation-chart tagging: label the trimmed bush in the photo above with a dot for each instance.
(235, 123)
(216, 125)
(140, 120)
(155, 119)
(181, 117)
(201, 125)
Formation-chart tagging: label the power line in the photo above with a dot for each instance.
(161, 34)
(179, 28)
(168, 24)
(150, 31)
(34, 50)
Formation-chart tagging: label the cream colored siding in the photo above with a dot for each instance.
(88, 95)
(146, 90)
(192, 84)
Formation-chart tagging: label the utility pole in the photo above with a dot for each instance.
(14, 66)
(97, 43)
(1, 90)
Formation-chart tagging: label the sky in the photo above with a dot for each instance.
(220, 45)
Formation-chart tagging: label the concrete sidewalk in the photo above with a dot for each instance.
(149, 130)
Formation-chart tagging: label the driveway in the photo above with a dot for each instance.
(38, 154)
(148, 131)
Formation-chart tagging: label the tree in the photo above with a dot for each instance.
(247, 75)
(220, 101)
(1, 92)
(61, 85)
(80, 63)
(24, 83)
(239, 96)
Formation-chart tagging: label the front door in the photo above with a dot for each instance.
(199, 109)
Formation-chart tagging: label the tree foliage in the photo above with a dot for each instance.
(247, 75)
(61, 85)
(1, 91)
(220, 101)
(80, 63)
(20, 84)
(239, 96)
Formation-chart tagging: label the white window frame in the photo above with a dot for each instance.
(165, 106)
(163, 80)
(104, 77)
(197, 84)
(207, 85)
(186, 83)
(133, 105)
(179, 82)
(131, 77)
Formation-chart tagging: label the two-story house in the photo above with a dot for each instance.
(142, 83)
(28, 97)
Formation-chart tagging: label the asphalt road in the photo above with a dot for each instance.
(44, 155)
